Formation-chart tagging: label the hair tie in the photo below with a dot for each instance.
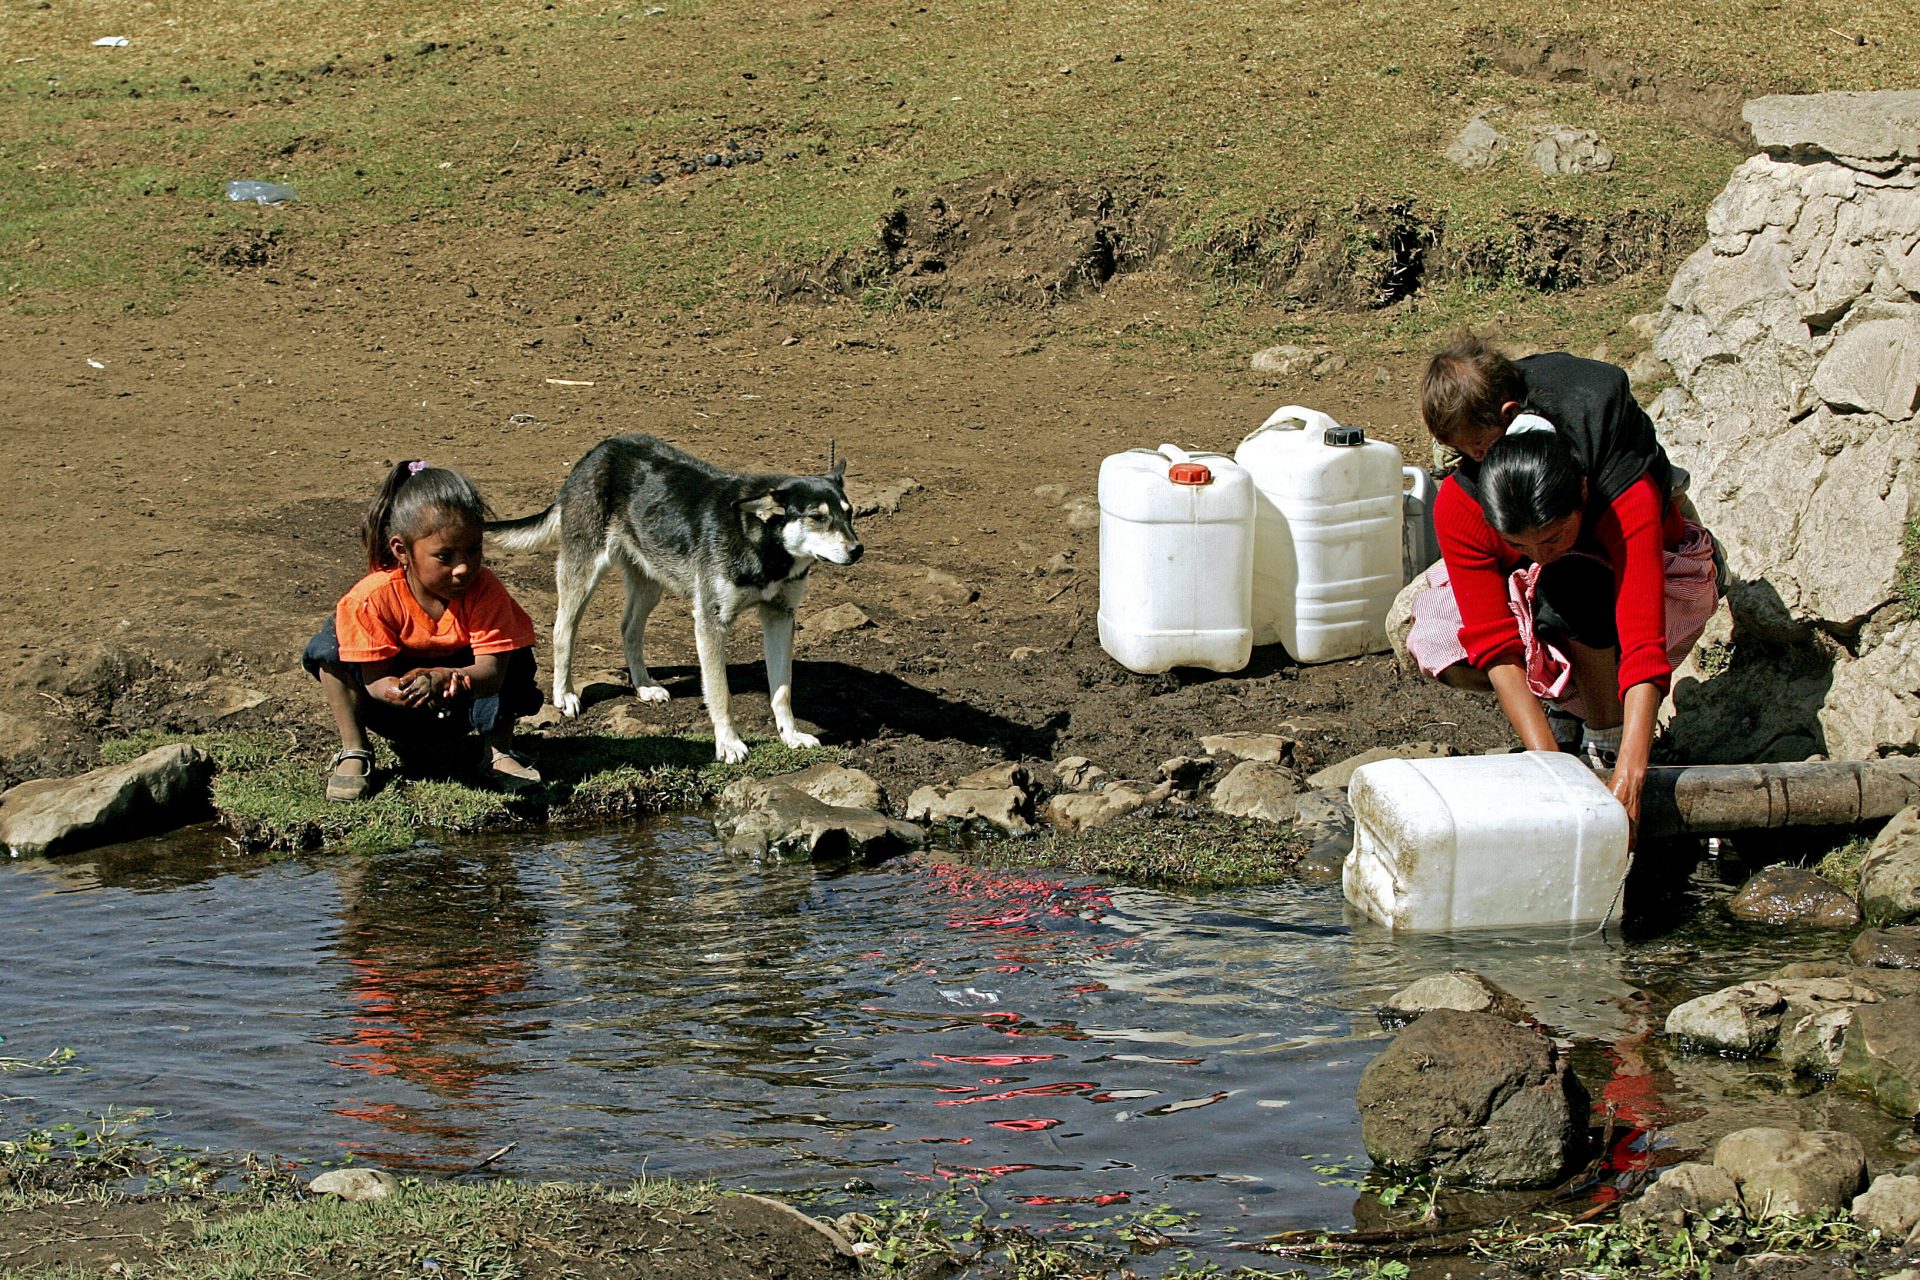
(415, 467)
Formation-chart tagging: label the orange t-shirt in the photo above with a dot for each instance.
(379, 619)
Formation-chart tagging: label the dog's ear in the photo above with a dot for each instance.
(838, 473)
(763, 508)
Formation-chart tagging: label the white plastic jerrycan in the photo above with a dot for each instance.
(1327, 558)
(1176, 560)
(1529, 838)
(1419, 541)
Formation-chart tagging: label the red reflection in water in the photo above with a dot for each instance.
(1035, 1125)
(1031, 1091)
(1111, 1197)
(995, 1059)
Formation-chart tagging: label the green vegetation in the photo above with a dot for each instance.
(273, 795)
(1613, 1248)
(1841, 865)
(1906, 578)
(1265, 129)
(1178, 848)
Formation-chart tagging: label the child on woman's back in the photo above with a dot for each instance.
(428, 648)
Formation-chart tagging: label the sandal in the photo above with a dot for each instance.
(510, 773)
(345, 787)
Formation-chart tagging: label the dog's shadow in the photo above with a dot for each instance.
(852, 705)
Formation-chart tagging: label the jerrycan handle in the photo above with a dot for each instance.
(1291, 417)
(1419, 485)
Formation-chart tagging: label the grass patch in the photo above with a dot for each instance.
(1841, 866)
(1180, 848)
(1614, 1248)
(273, 796)
(1257, 123)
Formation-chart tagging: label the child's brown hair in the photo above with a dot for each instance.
(1465, 385)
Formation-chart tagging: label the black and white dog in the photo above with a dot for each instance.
(718, 539)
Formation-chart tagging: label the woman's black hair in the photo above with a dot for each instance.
(1529, 480)
(414, 500)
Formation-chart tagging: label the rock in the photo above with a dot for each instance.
(1890, 1206)
(1077, 773)
(880, 499)
(1324, 817)
(1456, 989)
(1648, 369)
(1188, 773)
(999, 796)
(760, 818)
(836, 785)
(1882, 1054)
(1784, 1172)
(1339, 775)
(1878, 125)
(1007, 773)
(1072, 811)
(1791, 335)
(1795, 897)
(1400, 623)
(845, 616)
(945, 590)
(627, 720)
(1742, 1020)
(1269, 748)
(1894, 948)
(1082, 513)
(1890, 873)
(1477, 146)
(1564, 149)
(1024, 653)
(355, 1184)
(1470, 1097)
(157, 791)
(547, 717)
(1255, 789)
(1294, 362)
(1684, 1192)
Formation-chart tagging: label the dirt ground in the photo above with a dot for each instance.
(185, 491)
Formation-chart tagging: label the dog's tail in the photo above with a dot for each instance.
(528, 532)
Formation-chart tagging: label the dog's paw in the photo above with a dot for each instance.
(796, 739)
(729, 750)
(650, 692)
(569, 704)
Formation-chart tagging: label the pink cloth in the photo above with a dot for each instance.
(1692, 592)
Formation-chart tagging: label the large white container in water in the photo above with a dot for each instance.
(1327, 544)
(1529, 838)
(1176, 560)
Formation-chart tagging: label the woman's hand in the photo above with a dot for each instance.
(1642, 704)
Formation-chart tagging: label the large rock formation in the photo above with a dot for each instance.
(1794, 339)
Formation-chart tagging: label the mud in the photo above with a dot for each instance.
(182, 517)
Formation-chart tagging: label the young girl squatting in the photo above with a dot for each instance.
(428, 650)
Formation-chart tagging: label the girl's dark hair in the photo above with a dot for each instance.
(1464, 386)
(414, 500)
(1529, 480)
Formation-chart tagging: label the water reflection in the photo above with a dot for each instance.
(435, 944)
(641, 1001)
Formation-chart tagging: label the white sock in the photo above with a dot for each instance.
(1604, 739)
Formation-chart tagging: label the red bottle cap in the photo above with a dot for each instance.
(1189, 473)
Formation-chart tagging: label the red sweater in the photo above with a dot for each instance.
(1632, 535)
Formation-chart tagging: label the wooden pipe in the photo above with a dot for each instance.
(1710, 799)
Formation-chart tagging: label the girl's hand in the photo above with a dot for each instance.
(1629, 777)
(416, 688)
(458, 684)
